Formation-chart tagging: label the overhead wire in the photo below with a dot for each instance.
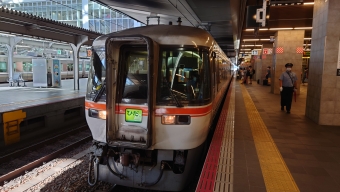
(182, 13)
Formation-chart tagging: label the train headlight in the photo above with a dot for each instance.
(102, 114)
(168, 119)
(97, 113)
(176, 119)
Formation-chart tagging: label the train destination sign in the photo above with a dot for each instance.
(133, 115)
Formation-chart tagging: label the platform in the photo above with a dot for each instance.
(44, 110)
(12, 98)
(258, 147)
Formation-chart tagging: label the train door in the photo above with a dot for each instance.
(131, 90)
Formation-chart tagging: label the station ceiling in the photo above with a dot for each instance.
(226, 20)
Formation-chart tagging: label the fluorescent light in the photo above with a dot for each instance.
(309, 3)
(264, 39)
(263, 29)
(250, 39)
(249, 30)
(307, 38)
(250, 45)
(22, 46)
(245, 49)
(273, 29)
(303, 27)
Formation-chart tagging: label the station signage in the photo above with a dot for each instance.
(306, 54)
(254, 52)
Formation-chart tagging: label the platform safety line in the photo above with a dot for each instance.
(276, 174)
(225, 174)
(209, 172)
(29, 101)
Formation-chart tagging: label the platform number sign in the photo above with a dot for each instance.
(265, 51)
(133, 115)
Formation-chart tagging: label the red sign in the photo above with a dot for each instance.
(279, 50)
(265, 51)
(299, 50)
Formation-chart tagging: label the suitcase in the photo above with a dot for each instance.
(265, 82)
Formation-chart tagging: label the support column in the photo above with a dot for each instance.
(75, 48)
(323, 103)
(267, 61)
(287, 48)
(12, 42)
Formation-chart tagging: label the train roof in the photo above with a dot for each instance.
(166, 35)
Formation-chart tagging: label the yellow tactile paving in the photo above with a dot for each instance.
(277, 176)
(224, 175)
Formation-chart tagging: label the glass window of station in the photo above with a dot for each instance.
(94, 16)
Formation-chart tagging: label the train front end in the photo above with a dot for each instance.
(149, 107)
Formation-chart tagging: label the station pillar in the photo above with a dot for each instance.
(10, 47)
(287, 48)
(75, 49)
(323, 103)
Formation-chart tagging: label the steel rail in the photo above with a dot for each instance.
(21, 171)
(26, 150)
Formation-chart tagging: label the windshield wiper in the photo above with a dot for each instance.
(178, 103)
(100, 92)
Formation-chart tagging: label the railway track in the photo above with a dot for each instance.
(62, 148)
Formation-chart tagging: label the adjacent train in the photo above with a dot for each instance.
(152, 94)
(23, 65)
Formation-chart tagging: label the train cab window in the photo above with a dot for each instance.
(96, 74)
(183, 74)
(134, 74)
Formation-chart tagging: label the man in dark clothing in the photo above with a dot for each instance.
(250, 73)
(287, 87)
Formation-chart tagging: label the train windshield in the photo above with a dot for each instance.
(96, 79)
(183, 74)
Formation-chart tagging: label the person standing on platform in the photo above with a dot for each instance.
(250, 73)
(268, 76)
(287, 82)
(305, 76)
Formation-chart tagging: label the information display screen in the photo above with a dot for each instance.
(133, 115)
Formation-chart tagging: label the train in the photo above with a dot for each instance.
(23, 65)
(151, 98)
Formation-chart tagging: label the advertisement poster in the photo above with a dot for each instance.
(39, 72)
(56, 73)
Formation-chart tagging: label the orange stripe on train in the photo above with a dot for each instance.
(159, 111)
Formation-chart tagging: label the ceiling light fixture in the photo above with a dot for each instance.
(249, 30)
(263, 29)
(307, 38)
(250, 45)
(303, 28)
(276, 29)
(250, 39)
(308, 3)
(264, 39)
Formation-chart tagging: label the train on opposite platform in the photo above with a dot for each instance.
(152, 94)
(23, 65)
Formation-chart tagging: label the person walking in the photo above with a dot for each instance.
(287, 82)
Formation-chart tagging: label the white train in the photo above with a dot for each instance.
(152, 94)
(23, 65)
